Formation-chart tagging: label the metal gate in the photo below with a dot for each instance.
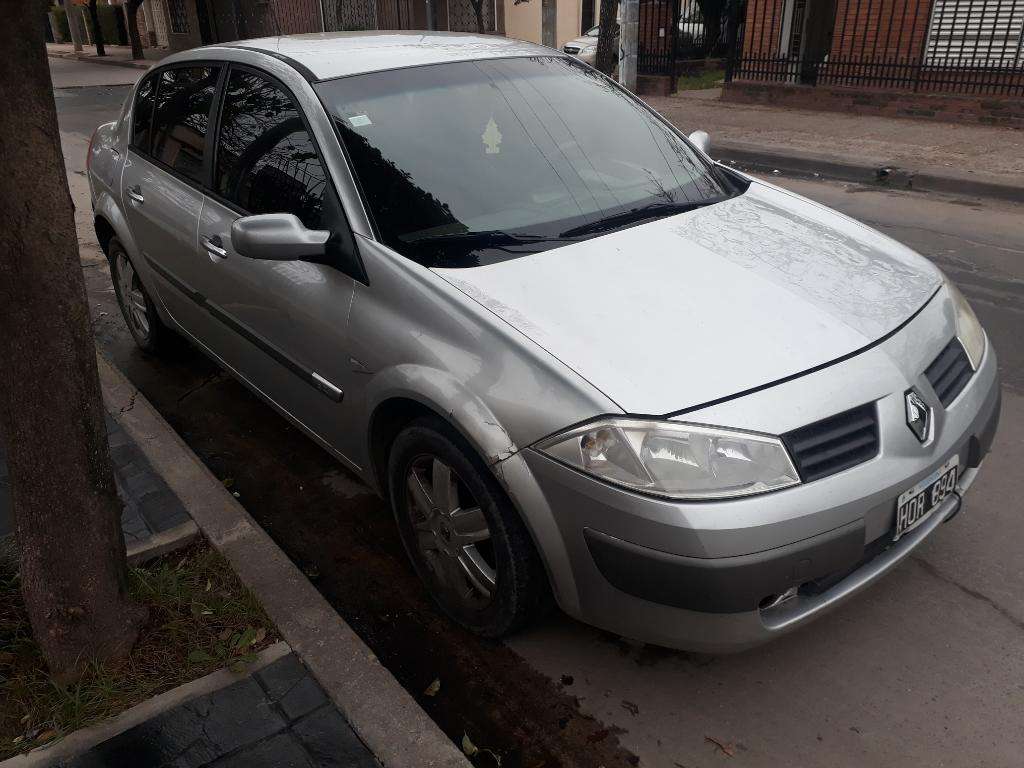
(676, 31)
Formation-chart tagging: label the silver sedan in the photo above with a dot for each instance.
(580, 358)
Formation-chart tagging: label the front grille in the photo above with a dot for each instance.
(949, 372)
(571, 49)
(834, 444)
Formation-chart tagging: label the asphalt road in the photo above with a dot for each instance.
(926, 668)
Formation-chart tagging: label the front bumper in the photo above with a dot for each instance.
(706, 576)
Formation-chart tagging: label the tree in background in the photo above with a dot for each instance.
(97, 30)
(131, 13)
(607, 46)
(478, 11)
(67, 515)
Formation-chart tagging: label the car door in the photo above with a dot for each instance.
(284, 323)
(161, 186)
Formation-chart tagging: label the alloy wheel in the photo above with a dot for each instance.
(451, 533)
(132, 297)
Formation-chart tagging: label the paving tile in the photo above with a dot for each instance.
(331, 742)
(160, 741)
(281, 751)
(161, 510)
(281, 676)
(122, 454)
(305, 696)
(237, 715)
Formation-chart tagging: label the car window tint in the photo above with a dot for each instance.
(266, 161)
(182, 117)
(143, 114)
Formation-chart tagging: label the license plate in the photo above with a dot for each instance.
(915, 505)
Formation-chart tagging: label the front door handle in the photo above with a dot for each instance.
(214, 246)
(135, 194)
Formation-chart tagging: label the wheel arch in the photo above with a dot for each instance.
(109, 222)
(403, 393)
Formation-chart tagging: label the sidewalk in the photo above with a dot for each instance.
(964, 159)
(153, 520)
(117, 55)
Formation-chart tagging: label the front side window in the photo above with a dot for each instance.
(142, 115)
(266, 160)
(477, 162)
(182, 116)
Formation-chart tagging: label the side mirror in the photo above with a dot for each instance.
(277, 237)
(701, 140)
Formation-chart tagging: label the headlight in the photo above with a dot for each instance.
(681, 461)
(588, 49)
(968, 329)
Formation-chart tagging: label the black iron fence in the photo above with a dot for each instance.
(952, 46)
(672, 32)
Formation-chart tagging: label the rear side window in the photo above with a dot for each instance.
(142, 116)
(266, 160)
(181, 118)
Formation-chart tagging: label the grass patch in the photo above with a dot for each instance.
(709, 78)
(201, 618)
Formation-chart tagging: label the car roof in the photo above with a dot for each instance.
(327, 55)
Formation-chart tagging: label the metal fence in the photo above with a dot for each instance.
(672, 32)
(951, 46)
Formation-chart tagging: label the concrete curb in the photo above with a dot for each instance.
(793, 162)
(86, 738)
(105, 60)
(380, 711)
(161, 543)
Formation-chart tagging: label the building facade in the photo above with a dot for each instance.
(953, 46)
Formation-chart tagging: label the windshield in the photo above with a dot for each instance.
(477, 162)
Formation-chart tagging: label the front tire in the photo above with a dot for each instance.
(136, 306)
(464, 538)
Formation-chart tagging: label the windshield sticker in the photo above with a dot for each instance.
(491, 137)
(358, 121)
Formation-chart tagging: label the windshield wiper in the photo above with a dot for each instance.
(488, 238)
(635, 215)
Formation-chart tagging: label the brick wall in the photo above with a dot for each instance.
(1005, 111)
(762, 27)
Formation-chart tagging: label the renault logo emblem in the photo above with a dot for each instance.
(919, 415)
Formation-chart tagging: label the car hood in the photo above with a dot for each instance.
(706, 304)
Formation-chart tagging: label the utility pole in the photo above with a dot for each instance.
(629, 32)
(71, 12)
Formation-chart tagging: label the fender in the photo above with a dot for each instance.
(442, 393)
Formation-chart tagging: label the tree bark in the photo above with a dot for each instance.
(97, 31)
(67, 515)
(131, 13)
(607, 50)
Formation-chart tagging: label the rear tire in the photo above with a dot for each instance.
(465, 540)
(140, 315)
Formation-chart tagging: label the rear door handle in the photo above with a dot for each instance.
(214, 246)
(135, 194)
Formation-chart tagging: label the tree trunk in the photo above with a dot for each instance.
(607, 50)
(67, 515)
(131, 12)
(131, 18)
(97, 31)
(478, 10)
(711, 12)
